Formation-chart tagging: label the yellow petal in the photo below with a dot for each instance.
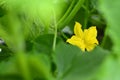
(77, 30)
(74, 40)
(90, 47)
(90, 35)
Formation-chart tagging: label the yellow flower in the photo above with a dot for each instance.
(84, 39)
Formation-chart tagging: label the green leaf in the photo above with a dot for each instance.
(73, 64)
(111, 12)
(44, 43)
(40, 66)
(110, 69)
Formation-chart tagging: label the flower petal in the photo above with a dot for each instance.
(90, 47)
(74, 40)
(77, 30)
(90, 35)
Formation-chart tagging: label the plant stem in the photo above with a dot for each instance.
(105, 37)
(23, 65)
(86, 14)
(67, 12)
(72, 14)
(55, 33)
(64, 36)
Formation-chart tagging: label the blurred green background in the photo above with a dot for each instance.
(33, 37)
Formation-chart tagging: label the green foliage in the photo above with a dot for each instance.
(75, 64)
(111, 65)
(43, 44)
(111, 13)
(34, 44)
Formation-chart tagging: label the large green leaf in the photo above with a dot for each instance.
(72, 64)
(111, 12)
(110, 69)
